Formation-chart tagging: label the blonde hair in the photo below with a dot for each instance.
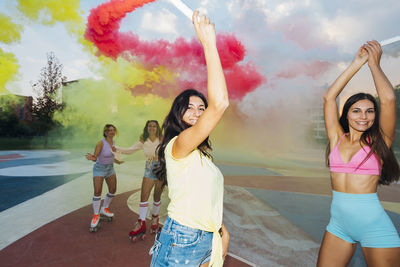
(106, 128)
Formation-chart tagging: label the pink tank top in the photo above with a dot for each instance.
(371, 166)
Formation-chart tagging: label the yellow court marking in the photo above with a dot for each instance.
(392, 206)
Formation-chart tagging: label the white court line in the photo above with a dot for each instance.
(241, 259)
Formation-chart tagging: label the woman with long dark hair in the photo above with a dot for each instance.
(360, 158)
(149, 140)
(193, 233)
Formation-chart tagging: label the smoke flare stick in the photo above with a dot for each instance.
(187, 11)
(390, 40)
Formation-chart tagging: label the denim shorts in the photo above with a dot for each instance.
(103, 170)
(148, 171)
(179, 245)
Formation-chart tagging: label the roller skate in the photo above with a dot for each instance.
(154, 224)
(139, 233)
(106, 215)
(95, 223)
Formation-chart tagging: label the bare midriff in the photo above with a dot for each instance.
(354, 183)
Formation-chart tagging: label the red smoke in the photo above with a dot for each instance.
(184, 57)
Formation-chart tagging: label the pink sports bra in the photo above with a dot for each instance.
(371, 166)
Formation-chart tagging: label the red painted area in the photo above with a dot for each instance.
(10, 157)
(68, 242)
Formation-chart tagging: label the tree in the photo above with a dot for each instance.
(47, 89)
(12, 123)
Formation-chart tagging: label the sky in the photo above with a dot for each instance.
(297, 47)
(285, 39)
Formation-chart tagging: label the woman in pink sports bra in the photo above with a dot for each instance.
(360, 159)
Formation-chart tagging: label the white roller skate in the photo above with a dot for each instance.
(95, 223)
(106, 215)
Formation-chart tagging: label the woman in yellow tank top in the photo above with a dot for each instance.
(193, 234)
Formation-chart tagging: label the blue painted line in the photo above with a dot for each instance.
(30, 161)
(15, 190)
(39, 160)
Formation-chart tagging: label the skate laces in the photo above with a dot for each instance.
(139, 224)
(154, 220)
(106, 210)
(95, 218)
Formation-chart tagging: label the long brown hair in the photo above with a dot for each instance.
(173, 125)
(145, 134)
(373, 137)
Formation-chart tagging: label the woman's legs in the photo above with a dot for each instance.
(382, 257)
(147, 185)
(156, 204)
(98, 186)
(112, 188)
(112, 183)
(335, 251)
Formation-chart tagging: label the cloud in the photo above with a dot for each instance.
(160, 22)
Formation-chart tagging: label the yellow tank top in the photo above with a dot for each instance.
(195, 189)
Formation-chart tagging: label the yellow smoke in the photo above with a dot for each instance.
(8, 68)
(91, 104)
(9, 33)
(51, 11)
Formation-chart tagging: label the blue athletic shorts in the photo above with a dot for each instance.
(103, 170)
(178, 245)
(148, 171)
(361, 218)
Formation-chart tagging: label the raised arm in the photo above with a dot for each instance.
(218, 100)
(97, 150)
(135, 147)
(387, 97)
(331, 116)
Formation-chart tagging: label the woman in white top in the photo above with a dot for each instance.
(149, 140)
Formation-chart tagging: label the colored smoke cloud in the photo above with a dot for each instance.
(184, 58)
(313, 69)
(51, 11)
(9, 33)
(90, 104)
